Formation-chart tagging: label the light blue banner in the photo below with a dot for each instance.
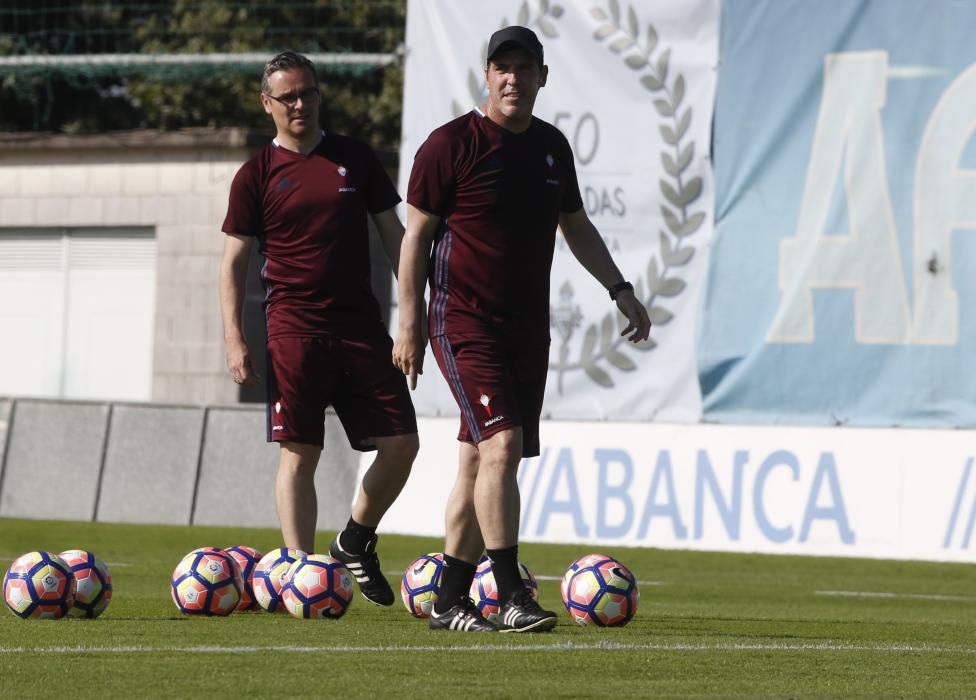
(842, 285)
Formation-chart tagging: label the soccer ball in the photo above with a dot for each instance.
(484, 592)
(247, 559)
(599, 590)
(421, 584)
(208, 548)
(39, 584)
(94, 583)
(271, 575)
(207, 583)
(318, 586)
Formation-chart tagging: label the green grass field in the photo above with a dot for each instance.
(708, 625)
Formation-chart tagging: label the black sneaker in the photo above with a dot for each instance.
(463, 617)
(522, 614)
(366, 568)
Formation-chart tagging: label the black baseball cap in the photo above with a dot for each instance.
(521, 36)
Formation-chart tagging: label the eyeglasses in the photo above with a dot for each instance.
(290, 101)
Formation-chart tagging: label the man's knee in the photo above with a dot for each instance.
(502, 450)
(298, 458)
(400, 449)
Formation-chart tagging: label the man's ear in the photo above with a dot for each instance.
(545, 76)
(266, 103)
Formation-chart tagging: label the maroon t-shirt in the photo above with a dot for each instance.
(309, 214)
(498, 195)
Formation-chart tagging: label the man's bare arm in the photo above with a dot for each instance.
(408, 349)
(232, 280)
(587, 246)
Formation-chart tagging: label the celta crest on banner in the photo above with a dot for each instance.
(645, 186)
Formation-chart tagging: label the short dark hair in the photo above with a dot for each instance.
(286, 60)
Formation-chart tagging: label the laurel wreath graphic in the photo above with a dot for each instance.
(601, 340)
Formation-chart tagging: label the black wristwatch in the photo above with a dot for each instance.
(620, 287)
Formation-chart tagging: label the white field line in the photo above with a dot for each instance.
(560, 578)
(882, 594)
(483, 648)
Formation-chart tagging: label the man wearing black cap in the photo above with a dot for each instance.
(487, 190)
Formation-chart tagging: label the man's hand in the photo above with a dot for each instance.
(408, 352)
(639, 323)
(239, 362)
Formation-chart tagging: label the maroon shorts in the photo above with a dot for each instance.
(498, 383)
(353, 373)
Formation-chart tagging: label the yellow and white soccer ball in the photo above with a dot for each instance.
(271, 575)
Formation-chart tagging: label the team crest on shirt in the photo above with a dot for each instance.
(343, 172)
(550, 161)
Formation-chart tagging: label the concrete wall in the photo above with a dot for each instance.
(155, 463)
(176, 182)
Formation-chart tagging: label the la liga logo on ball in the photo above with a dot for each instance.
(598, 590)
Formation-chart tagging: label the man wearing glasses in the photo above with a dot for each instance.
(305, 198)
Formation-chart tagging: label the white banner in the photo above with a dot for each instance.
(631, 85)
(894, 494)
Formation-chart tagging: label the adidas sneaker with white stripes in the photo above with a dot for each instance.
(366, 570)
(523, 614)
(463, 617)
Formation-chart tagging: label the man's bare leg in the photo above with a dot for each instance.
(385, 478)
(295, 494)
(355, 546)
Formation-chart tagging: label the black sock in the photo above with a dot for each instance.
(456, 578)
(504, 565)
(356, 538)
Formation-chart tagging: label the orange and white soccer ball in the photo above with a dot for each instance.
(206, 583)
(93, 591)
(599, 590)
(39, 584)
(247, 559)
(271, 575)
(318, 586)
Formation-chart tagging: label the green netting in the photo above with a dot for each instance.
(99, 39)
(93, 65)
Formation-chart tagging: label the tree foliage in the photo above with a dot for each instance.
(361, 100)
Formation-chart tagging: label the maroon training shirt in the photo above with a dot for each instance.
(498, 195)
(309, 215)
